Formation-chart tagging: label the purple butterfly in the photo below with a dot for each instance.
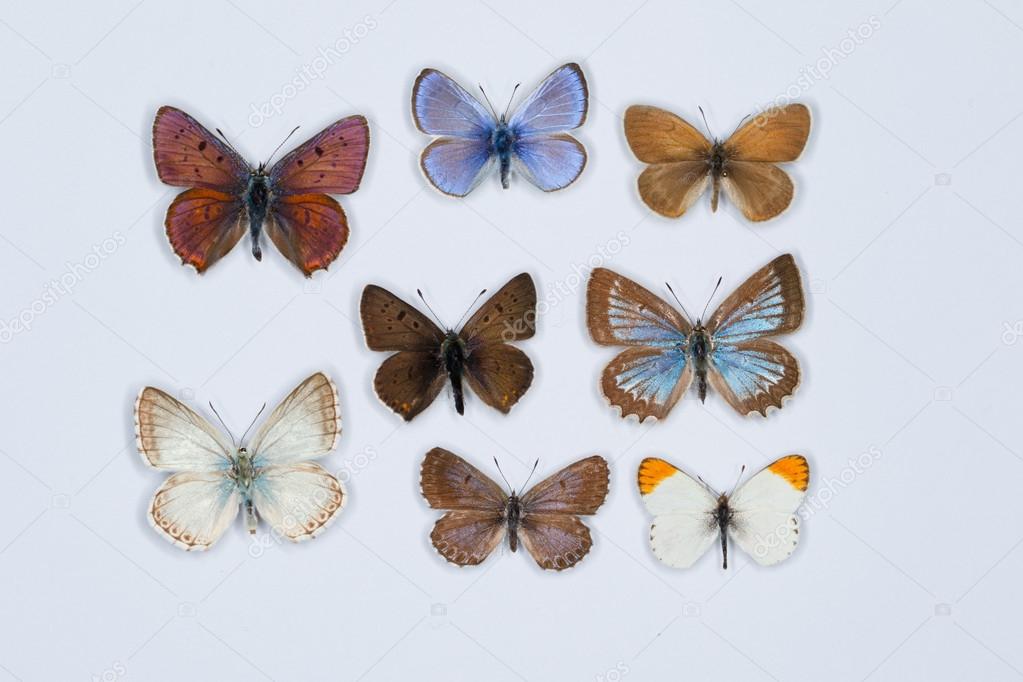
(474, 140)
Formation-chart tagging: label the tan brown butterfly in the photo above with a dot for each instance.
(479, 513)
(664, 352)
(683, 162)
(408, 381)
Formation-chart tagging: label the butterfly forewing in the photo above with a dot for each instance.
(558, 104)
(508, 315)
(773, 136)
(579, 488)
(390, 323)
(440, 106)
(331, 162)
(657, 136)
(171, 436)
(764, 522)
(188, 155)
(305, 425)
(769, 303)
(684, 526)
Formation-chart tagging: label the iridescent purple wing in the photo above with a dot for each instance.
(544, 153)
(455, 164)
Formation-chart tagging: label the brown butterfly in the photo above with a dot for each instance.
(479, 513)
(409, 381)
(665, 352)
(683, 161)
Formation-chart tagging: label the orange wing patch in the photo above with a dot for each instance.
(651, 472)
(793, 469)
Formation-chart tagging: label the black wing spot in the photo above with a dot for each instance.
(319, 152)
(202, 145)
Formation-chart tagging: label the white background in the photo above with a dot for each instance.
(905, 223)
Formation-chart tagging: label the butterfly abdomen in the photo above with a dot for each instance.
(257, 199)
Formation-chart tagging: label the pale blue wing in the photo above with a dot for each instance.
(559, 103)
(647, 381)
(549, 161)
(621, 312)
(440, 106)
(770, 302)
(455, 166)
(754, 375)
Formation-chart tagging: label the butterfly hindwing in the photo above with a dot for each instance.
(308, 229)
(456, 166)
(299, 500)
(203, 225)
(192, 509)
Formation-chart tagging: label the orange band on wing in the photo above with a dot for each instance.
(793, 469)
(651, 472)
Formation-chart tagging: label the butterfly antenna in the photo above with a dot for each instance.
(293, 131)
(224, 138)
(531, 473)
(741, 122)
(423, 299)
(502, 475)
(704, 313)
(471, 306)
(234, 443)
(704, 483)
(705, 124)
(489, 103)
(676, 300)
(510, 99)
(253, 422)
(741, 472)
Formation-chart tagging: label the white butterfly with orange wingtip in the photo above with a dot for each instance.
(759, 515)
(272, 477)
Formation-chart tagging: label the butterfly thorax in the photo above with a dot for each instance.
(512, 514)
(242, 470)
(257, 199)
(501, 141)
(453, 353)
(700, 347)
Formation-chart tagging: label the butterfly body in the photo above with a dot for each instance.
(257, 197)
(454, 353)
(503, 142)
(700, 345)
(512, 514)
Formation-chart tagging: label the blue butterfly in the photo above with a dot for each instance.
(475, 140)
(665, 352)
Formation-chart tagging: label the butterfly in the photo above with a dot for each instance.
(683, 161)
(478, 513)
(227, 195)
(665, 351)
(271, 477)
(408, 381)
(534, 140)
(760, 515)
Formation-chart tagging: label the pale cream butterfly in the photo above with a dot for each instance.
(760, 515)
(271, 477)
